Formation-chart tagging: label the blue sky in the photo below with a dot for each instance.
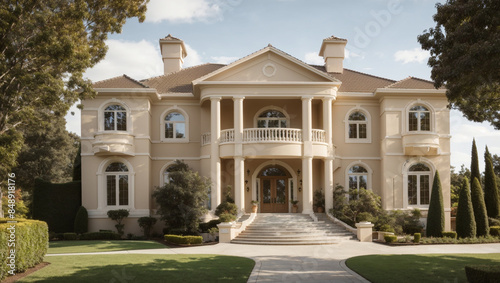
(381, 34)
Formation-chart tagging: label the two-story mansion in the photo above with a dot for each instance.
(268, 125)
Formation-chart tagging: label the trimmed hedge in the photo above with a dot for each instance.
(31, 245)
(416, 237)
(184, 240)
(70, 236)
(482, 273)
(451, 234)
(495, 231)
(390, 238)
(57, 204)
(81, 221)
(100, 236)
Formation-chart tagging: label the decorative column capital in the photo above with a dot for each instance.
(307, 97)
(238, 97)
(215, 98)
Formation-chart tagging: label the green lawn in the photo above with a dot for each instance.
(64, 247)
(143, 268)
(418, 268)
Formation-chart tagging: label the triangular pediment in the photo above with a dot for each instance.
(267, 65)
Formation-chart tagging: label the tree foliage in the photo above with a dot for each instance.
(77, 164)
(474, 164)
(45, 47)
(465, 52)
(355, 203)
(466, 223)
(182, 201)
(456, 180)
(482, 228)
(435, 215)
(491, 197)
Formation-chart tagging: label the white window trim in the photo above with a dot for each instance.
(365, 112)
(405, 172)
(407, 113)
(162, 172)
(185, 139)
(272, 107)
(102, 204)
(366, 166)
(100, 116)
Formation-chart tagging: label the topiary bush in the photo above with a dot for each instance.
(81, 221)
(480, 215)
(146, 223)
(450, 234)
(495, 231)
(466, 223)
(435, 215)
(416, 237)
(482, 273)
(70, 236)
(184, 240)
(227, 206)
(390, 238)
(118, 216)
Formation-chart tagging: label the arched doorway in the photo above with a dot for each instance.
(274, 189)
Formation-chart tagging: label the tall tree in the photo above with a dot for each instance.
(45, 47)
(435, 215)
(482, 228)
(466, 223)
(465, 51)
(491, 197)
(474, 164)
(496, 164)
(456, 183)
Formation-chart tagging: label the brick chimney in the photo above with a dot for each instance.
(173, 53)
(332, 51)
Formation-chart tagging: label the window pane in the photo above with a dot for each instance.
(266, 191)
(412, 189)
(424, 189)
(261, 124)
(180, 130)
(111, 190)
(357, 116)
(353, 182)
(281, 191)
(117, 167)
(169, 130)
(353, 133)
(418, 108)
(273, 171)
(363, 182)
(272, 114)
(115, 107)
(166, 177)
(425, 121)
(174, 117)
(123, 190)
(419, 167)
(121, 121)
(357, 169)
(273, 124)
(362, 131)
(283, 123)
(413, 121)
(109, 121)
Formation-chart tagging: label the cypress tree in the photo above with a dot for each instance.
(474, 164)
(466, 224)
(77, 165)
(482, 227)
(490, 188)
(435, 216)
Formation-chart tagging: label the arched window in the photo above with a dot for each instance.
(175, 126)
(358, 177)
(272, 119)
(419, 118)
(115, 118)
(117, 184)
(357, 126)
(419, 179)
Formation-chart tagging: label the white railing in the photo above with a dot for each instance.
(318, 135)
(226, 136)
(272, 135)
(206, 138)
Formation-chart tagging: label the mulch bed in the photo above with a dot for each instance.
(18, 276)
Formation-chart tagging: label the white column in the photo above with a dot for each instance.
(328, 166)
(307, 189)
(239, 183)
(215, 170)
(328, 162)
(327, 119)
(238, 125)
(306, 118)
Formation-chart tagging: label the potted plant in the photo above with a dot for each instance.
(255, 206)
(319, 201)
(295, 207)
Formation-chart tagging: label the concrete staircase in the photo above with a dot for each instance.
(292, 229)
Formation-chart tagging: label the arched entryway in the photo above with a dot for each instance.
(274, 189)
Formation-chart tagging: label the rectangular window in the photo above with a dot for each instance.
(425, 121)
(180, 130)
(121, 121)
(109, 121)
(362, 131)
(363, 182)
(353, 131)
(413, 121)
(412, 189)
(424, 189)
(123, 190)
(353, 182)
(169, 130)
(111, 190)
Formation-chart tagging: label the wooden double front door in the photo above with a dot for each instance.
(274, 192)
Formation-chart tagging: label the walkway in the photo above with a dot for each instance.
(323, 263)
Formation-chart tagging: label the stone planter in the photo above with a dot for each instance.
(255, 208)
(295, 208)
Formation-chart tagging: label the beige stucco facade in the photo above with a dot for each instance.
(221, 136)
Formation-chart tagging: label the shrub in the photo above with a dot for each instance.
(118, 216)
(495, 231)
(70, 236)
(146, 223)
(493, 222)
(81, 221)
(480, 215)
(416, 237)
(482, 273)
(204, 227)
(364, 216)
(100, 236)
(435, 216)
(466, 224)
(386, 228)
(227, 217)
(490, 187)
(319, 199)
(32, 242)
(390, 238)
(450, 234)
(184, 240)
(227, 206)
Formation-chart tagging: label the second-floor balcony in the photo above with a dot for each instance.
(266, 135)
(421, 143)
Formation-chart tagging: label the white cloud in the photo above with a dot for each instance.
(351, 54)
(412, 55)
(313, 58)
(73, 122)
(192, 58)
(138, 60)
(182, 11)
(223, 59)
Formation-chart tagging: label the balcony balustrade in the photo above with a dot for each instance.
(258, 135)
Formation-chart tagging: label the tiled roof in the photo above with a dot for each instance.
(180, 81)
(122, 81)
(353, 81)
(412, 83)
(170, 37)
(335, 38)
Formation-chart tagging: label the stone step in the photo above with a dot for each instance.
(318, 242)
